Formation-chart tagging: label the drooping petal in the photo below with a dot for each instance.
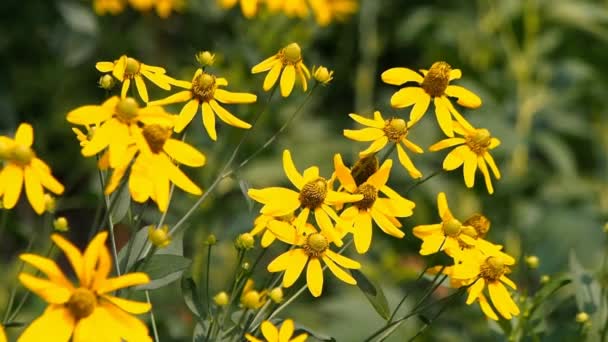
(367, 122)
(46, 179)
(184, 153)
(290, 170)
(129, 306)
(273, 75)
(362, 232)
(327, 228)
(486, 308)
(374, 147)
(229, 97)
(475, 290)
(227, 117)
(502, 300)
(33, 190)
(141, 88)
(314, 277)
(342, 260)
(209, 121)
(338, 272)
(264, 65)
(481, 163)
(269, 331)
(408, 96)
(186, 115)
(101, 138)
(178, 177)
(421, 106)
(182, 96)
(385, 224)
(364, 134)
(470, 166)
(508, 281)
(488, 157)
(123, 324)
(298, 259)
(444, 119)
(398, 76)
(13, 182)
(288, 78)
(455, 158)
(130, 279)
(425, 230)
(466, 98)
(406, 162)
(445, 143)
(104, 66)
(49, 291)
(56, 324)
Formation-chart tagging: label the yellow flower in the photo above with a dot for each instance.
(382, 210)
(153, 169)
(473, 152)
(159, 237)
(2, 334)
(250, 298)
(309, 247)
(221, 299)
(164, 7)
(23, 169)
(314, 195)
(272, 334)
(205, 58)
(260, 226)
(142, 5)
(204, 91)
(249, 7)
(127, 69)
(322, 74)
(434, 85)
(327, 10)
(116, 120)
(112, 7)
(291, 8)
(89, 308)
(380, 132)
(287, 63)
(480, 269)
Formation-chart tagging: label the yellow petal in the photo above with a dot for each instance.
(445, 143)
(411, 146)
(288, 78)
(466, 98)
(502, 300)
(398, 76)
(314, 277)
(182, 96)
(227, 117)
(55, 322)
(90, 115)
(486, 308)
(47, 180)
(49, 291)
(310, 174)
(91, 256)
(420, 108)
(104, 66)
(407, 96)
(475, 290)
(297, 261)
(380, 177)
(271, 78)
(88, 329)
(365, 134)
(406, 162)
(481, 163)
(327, 228)
(72, 254)
(264, 65)
(125, 88)
(455, 74)
(229, 97)
(33, 190)
(162, 81)
(442, 206)
(141, 88)
(424, 230)
(180, 179)
(392, 207)
(374, 147)
(290, 170)
(12, 177)
(338, 272)
(119, 68)
(343, 174)
(123, 281)
(184, 153)
(122, 324)
(104, 266)
(129, 306)
(488, 157)
(25, 135)
(209, 121)
(470, 166)
(367, 122)
(455, 158)
(508, 281)
(286, 330)
(101, 138)
(362, 232)
(270, 331)
(334, 197)
(385, 224)
(186, 115)
(444, 119)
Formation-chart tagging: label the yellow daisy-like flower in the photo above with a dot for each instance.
(383, 211)
(272, 334)
(432, 84)
(473, 151)
(153, 169)
(127, 69)
(288, 64)
(116, 119)
(249, 7)
(480, 269)
(112, 7)
(309, 248)
(260, 226)
(314, 195)
(88, 309)
(380, 132)
(204, 91)
(327, 11)
(23, 169)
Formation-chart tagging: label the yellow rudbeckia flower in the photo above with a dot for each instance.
(127, 69)
(326, 11)
(288, 64)
(153, 169)
(89, 308)
(115, 119)
(309, 248)
(473, 151)
(23, 169)
(432, 84)
(383, 211)
(272, 334)
(204, 91)
(380, 132)
(314, 195)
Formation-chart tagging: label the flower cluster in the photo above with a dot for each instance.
(162, 7)
(324, 11)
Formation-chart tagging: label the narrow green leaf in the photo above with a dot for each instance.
(373, 292)
(121, 208)
(588, 294)
(139, 239)
(244, 186)
(163, 269)
(190, 295)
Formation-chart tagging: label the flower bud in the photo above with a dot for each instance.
(606, 227)
(49, 203)
(159, 237)
(106, 82)
(532, 262)
(245, 241)
(205, 58)
(276, 295)
(582, 317)
(322, 74)
(252, 300)
(61, 224)
(221, 299)
(245, 266)
(211, 240)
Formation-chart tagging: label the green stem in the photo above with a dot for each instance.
(11, 299)
(207, 296)
(152, 319)
(111, 223)
(422, 181)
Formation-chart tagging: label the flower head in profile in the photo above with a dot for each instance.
(472, 151)
(204, 91)
(272, 334)
(128, 69)
(153, 169)
(260, 226)
(380, 132)
(383, 211)
(480, 269)
(310, 247)
(88, 308)
(251, 298)
(322, 74)
(23, 169)
(326, 11)
(433, 84)
(288, 64)
(115, 121)
(313, 195)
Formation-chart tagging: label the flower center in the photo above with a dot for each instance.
(479, 141)
(437, 79)
(291, 54)
(126, 110)
(21, 154)
(492, 269)
(370, 193)
(395, 129)
(364, 168)
(315, 245)
(132, 67)
(480, 223)
(313, 193)
(204, 87)
(82, 303)
(451, 227)
(156, 136)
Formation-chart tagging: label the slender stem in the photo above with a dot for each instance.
(152, 319)
(110, 222)
(11, 299)
(134, 229)
(441, 310)
(422, 181)
(207, 296)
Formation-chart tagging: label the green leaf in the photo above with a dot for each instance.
(588, 294)
(200, 329)
(78, 17)
(190, 295)
(163, 269)
(123, 203)
(373, 292)
(139, 239)
(560, 155)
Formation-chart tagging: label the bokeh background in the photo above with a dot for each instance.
(539, 66)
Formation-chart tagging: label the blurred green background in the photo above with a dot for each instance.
(539, 66)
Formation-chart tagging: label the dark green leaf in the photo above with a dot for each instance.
(374, 294)
(139, 239)
(163, 269)
(190, 295)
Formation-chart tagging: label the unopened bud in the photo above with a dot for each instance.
(211, 240)
(221, 299)
(276, 295)
(532, 261)
(159, 237)
(545, 279)
(106, 82)
(61, 224)
(252, 300)
(245, 266)
(322, 74)
(582, 317)
(245, 241)
(205, 58)
(49, 203)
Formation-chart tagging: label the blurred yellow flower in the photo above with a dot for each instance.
(380, 132)
(249, 7)
(204, 91)
(382, 210)
(314, 195)
(87, 309)
(127, 69)
(205, 58)
(309, 247)
(472, 151)
(165, 7)
(322, 74)
(250, 298)
(272, 334)
(434, 84)
(22, 169)
(291, 8)
(116, 120)
(153, 169)
(142, 5)
(287, 63)
(112, 7)
(326, 11)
